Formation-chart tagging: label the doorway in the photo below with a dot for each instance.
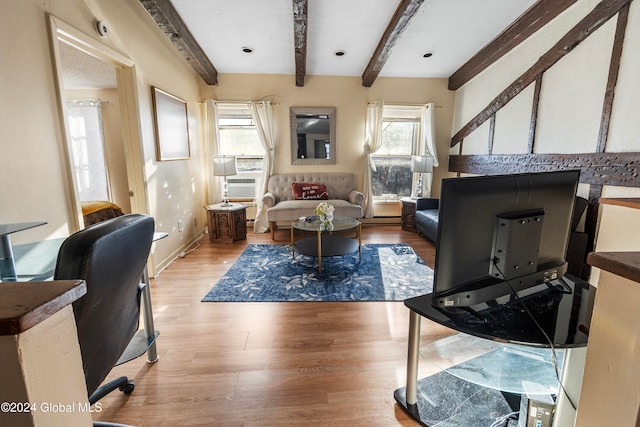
(96, 90)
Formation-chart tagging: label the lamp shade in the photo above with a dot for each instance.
(224, 166)
(421, 164)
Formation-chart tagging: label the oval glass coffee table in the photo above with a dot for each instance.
(325, 243)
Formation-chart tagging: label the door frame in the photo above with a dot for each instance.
(129, 111)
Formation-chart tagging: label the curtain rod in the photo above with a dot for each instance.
(87, 101)
(221, 101)
(406, 105)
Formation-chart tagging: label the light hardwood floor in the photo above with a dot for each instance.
(270, 364)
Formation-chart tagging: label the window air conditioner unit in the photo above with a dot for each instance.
(241, 187)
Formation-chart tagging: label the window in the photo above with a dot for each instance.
(392, 177)
(87, 145)
(239, 137)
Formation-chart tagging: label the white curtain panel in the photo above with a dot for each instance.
(427, 144)
(373, 142)
(428, 131)
(262, 113)
(212, 149)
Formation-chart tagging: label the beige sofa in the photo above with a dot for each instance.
(281, 206)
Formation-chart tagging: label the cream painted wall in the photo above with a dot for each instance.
(572, 96)
(33, 169)
(350, 99)
(512, 136)
(33, 152)
(476, 143)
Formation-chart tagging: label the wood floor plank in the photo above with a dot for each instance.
(269, 364)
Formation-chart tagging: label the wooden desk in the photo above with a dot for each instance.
(227, 223)
(7, 263)
(36, 261)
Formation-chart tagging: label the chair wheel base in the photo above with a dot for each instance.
(123, 384)
(128, 387)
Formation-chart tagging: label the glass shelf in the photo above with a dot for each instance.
(504, 367)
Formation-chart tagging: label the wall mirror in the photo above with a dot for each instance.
(313, 135)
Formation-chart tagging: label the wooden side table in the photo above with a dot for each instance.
(227, 223)
(408, 218)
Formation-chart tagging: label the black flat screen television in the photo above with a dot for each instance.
(501, 234)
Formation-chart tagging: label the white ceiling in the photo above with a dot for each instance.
(454, 30)
(83, 71)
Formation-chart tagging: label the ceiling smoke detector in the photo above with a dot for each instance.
(103, 28)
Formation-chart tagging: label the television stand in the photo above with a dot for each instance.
(562, 315)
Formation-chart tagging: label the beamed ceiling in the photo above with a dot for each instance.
(378, 38)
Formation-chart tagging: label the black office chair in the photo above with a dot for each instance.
(110, 256)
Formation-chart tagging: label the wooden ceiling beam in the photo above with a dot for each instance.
(300, 39)
(174, 27)
(600, 14)
(536, 17)
(619, 169)
(404, 13)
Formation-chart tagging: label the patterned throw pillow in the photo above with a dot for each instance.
(309, 191)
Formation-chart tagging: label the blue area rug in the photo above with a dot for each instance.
(266, 273)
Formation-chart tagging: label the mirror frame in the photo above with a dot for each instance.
(331, 111)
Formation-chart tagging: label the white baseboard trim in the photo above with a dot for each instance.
(178, 253)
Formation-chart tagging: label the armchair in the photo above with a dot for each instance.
(110, 256)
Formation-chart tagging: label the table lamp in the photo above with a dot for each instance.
(420, 165)
(224, 166)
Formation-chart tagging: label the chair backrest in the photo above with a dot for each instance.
(110, 256)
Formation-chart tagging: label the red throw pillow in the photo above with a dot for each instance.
(309, 191)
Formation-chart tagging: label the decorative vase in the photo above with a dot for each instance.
(324, 211)
(326, 222)
(326, 226)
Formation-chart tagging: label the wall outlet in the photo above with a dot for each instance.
(195, 222)
(180, 225)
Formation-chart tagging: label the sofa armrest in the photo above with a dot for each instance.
(427, 203)
(356, 197)
(269, 200)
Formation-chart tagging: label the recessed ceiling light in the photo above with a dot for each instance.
(247, 49)
(339, 53)
(427, 55)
